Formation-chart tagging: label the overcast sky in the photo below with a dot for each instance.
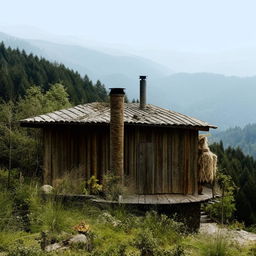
(205, 26)
(174, 24)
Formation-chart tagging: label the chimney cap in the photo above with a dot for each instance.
(116, 91)
(143, 77)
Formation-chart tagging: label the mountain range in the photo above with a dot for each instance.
(225, 101)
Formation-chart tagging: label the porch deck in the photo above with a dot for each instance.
(161, 199)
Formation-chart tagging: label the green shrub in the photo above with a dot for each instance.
(163, 227)
(223, 210)
(25, 251)
(176, 251)
(70, 183)
(146, 243)
(127, 221)
(14, 179)
(112, 186)
(93, 187)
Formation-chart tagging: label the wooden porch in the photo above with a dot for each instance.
(160, 199)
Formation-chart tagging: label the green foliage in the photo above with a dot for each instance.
(217, 245)
(25, 251)
(18, 71)
(53, 217)
(224, 209)
(176, 251)
(112, 186)
(20, 147)
(123, 219)
(119, 249)
(94, 188)
(163, 227)
(118, 232)
(146, 243)
(6, 206)
(70, 183)
(56, 98)
(252, 251)
(244, 138)
(242, 170)
(10, 239)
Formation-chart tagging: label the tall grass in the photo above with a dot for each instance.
(6, 206)
(213, 245)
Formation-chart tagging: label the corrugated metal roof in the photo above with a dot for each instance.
(99, 113)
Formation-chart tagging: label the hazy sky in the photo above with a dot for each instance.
(192, 25)
(186, 35)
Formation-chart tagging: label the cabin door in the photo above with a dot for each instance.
(145, 168)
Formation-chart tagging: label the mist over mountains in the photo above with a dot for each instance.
(225, 101)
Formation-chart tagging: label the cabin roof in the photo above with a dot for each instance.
(99, 113)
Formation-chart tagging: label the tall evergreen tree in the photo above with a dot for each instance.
(242, 169)
(19, 71)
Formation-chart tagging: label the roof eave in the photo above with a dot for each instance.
(54, 124)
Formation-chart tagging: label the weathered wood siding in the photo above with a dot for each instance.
(157, 160)
(84, 152)
(162, 160)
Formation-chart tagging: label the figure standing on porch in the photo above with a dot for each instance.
(207, 163)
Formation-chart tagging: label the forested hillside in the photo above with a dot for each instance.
(244, 138)
(242, 169)
(19, 71)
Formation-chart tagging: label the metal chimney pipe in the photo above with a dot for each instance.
(117, 131)
(143, 88)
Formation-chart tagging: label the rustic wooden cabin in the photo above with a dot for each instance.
(155, 148)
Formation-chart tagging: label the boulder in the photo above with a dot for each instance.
(78, 239)
(53, 247)
(47, 189)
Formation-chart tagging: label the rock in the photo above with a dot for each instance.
(78, 239)
(241, 237)
(209, 228)
(47, 189)
(53, 247)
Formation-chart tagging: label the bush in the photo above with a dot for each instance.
(177, 251)
(163, 227)
(70, 183)
(93, 187)
(112, 186)
(25, 251)
(223, 210)
(146, 243)
(127, 221)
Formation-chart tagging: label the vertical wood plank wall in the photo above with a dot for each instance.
(157, 160)
(82, 151)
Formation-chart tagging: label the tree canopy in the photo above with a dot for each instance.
(22, 146)
(242, 169)
(19, 71)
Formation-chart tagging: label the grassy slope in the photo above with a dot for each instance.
(115, 232)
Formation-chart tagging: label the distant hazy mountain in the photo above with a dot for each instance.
(218, 99)
(245, 138)
(114, 71)
(225, 101)
(14, 42)
(238, 61)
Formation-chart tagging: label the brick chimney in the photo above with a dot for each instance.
(117, 131)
